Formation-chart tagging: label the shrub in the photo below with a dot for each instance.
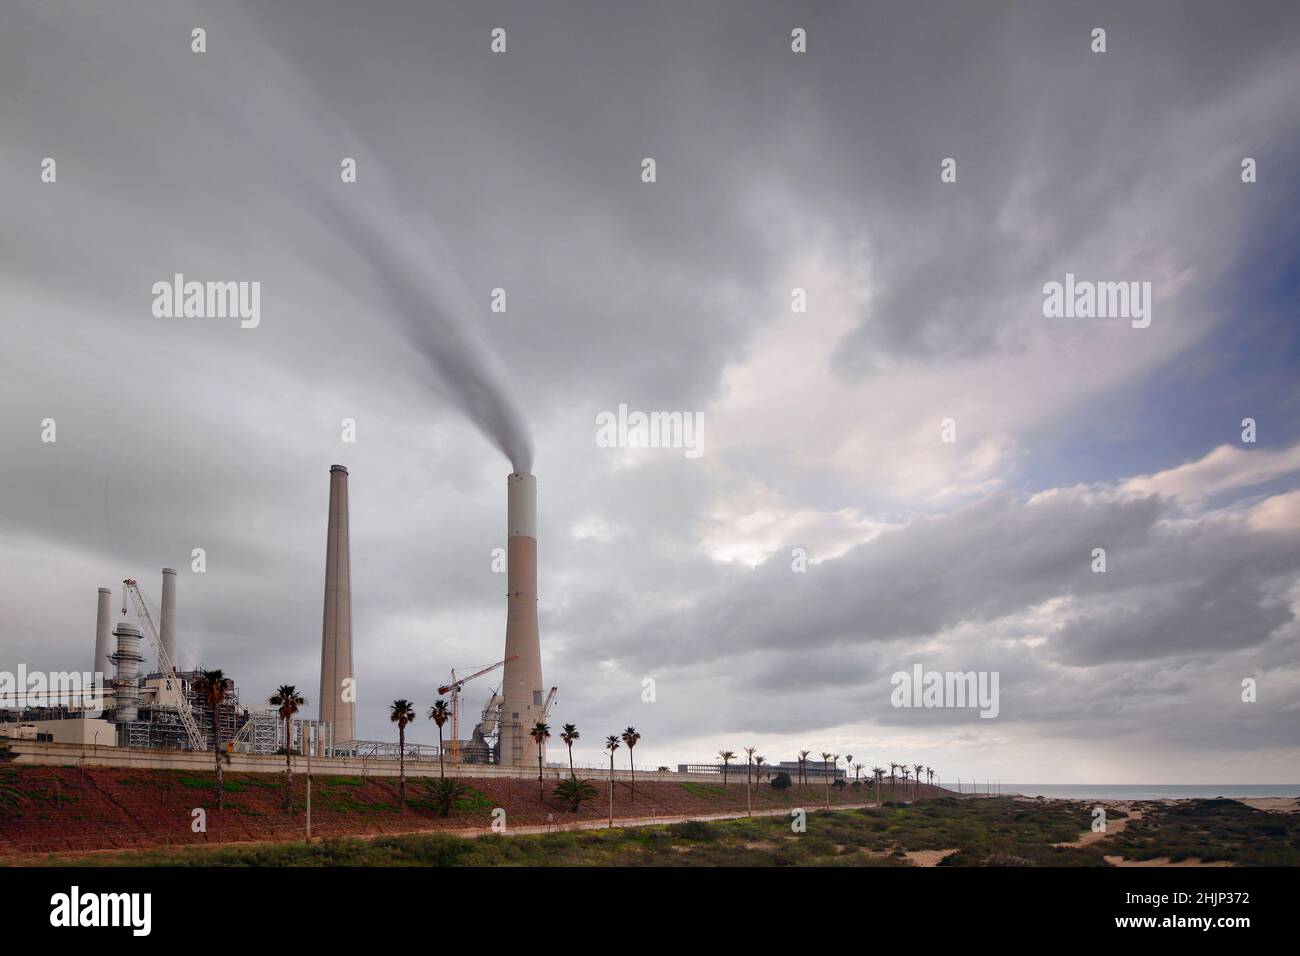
(781, 781)
(445, 792)
(575, 792)
(696, 830)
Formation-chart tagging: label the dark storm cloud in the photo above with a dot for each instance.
(182, 434)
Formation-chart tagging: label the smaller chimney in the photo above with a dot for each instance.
(167, 626)
(104, 636)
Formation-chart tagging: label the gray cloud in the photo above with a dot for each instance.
(772, 167)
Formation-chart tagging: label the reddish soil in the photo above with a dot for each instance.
(78, 809)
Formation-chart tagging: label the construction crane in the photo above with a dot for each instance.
(453, 688)
(131, 589)
(546, 707)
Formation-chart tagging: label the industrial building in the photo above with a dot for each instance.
(152, 700)
(160, 708)
(812, 769)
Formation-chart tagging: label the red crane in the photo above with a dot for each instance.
(453, 688)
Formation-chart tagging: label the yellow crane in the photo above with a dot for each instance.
(453, 688)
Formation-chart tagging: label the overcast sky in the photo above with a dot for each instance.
(822, 430)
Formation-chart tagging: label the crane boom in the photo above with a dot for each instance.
(459, 682)
(132, 589)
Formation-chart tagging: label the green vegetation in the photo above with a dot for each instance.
(1211, 830)
(575, 792)
(702, 790)
(949, 831)
(445, 794)
(986, 832)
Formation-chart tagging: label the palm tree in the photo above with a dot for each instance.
(446, 792)
(803, 766)
(569, 733)
(905, 771)
(826, 759)
(611, 744)
(929, 776)
(631, 737)
(213, 687)
(749, 763)
(857, 773)
(758, 768)
(287, 698)
(575, 792)
(918, 767)
(401, 713)
(726, 756)
(540, 733)
(440, 713)
(892, 767)
(878, 772)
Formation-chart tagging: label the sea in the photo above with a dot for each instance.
(1147, 791)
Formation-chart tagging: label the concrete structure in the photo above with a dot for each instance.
(103, 636)
(337, 697)
(55, 754)
(521, 685)
(126, 682)
(167, 624)
(74, 730)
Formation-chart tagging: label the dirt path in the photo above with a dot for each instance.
(557, 826)
(1161, 861)
(928, 857)
(1091, 837)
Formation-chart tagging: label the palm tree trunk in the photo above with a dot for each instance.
(632, 766)
(442, 773)
(571, 773)
(401, 766)
(216, 759)
(288, 767)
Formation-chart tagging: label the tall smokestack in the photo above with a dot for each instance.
(521, 684)
(167, 627)
(337, 700)
(103, 636)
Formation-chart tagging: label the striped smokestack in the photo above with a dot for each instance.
(337, 696)
(521, 684)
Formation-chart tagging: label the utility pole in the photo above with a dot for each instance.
(307, 743)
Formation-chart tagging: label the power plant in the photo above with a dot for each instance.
(163, 707)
